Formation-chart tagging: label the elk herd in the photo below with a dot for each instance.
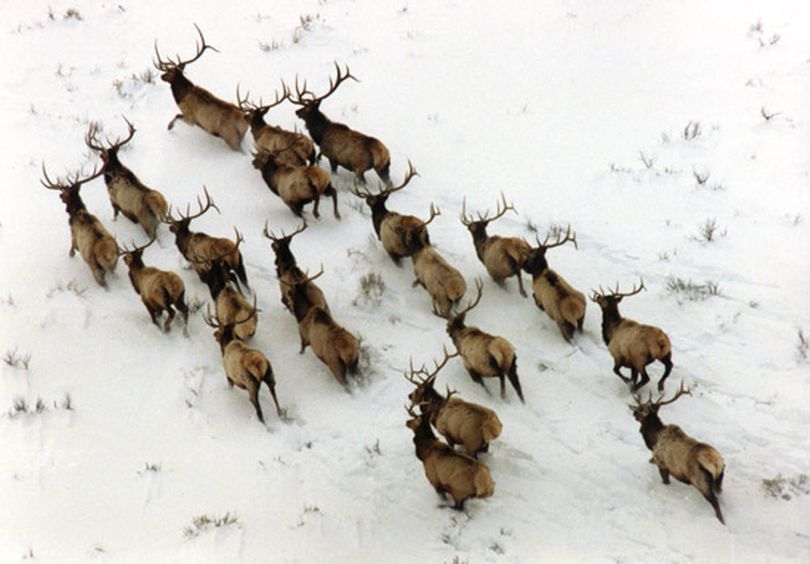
(288, 163)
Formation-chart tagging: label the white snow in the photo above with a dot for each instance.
(551, 103)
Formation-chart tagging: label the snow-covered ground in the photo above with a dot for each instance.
(557, 104)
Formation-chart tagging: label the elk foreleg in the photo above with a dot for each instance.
(178, 116)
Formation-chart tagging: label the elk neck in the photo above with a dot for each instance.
(480, 239)
(180, 86)
(378, 214)
(610, 320)
(73, 202)
(423, 438)
(316, 123)
(651, 425)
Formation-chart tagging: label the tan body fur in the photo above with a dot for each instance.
(159, 291)
(331, 343)
(299, 185)
(202, 248)
(471, 425)
(634, 345)
(94, 243)
(272, 138)
(444, 283)
(138, 203)
(483, 353)
(504, 256)
(562, 302)
(688, 460)
(449, 471)
(232, 306)
(353, 150)
(287, 281)
(397, 233)
(216, 116)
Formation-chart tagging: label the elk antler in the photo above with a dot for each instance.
(484, 218)
(247, 106)
(169, 64)
(70, 181)
(91, 138)
(479, 286)
(272, 236)
(306, 280)
(333, 85)
(562, 238)
(209, 203)
(386, 191)
(122, 250)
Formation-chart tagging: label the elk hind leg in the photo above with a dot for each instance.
(667, 362)
(616, 366)
(253, 391)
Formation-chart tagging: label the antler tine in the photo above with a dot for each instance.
(50, 184)
(479, 286)
(90, 138)
(506, 207)
(632, 292)
(121, 142)
(682, 391)
(209, 319)
(434, 212)
(465, 220)
(408, 176)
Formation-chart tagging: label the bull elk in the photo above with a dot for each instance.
(293, 148)
(448, 471)
(502, 256)
(337, 142)
(128, 195)
(229, 304)
(197, 105)
(159, 289)
(484, 355)
(87, 234)
(332, 344)
(471, 425)
(678, 454)
(631, 344)
(245, 367)
(562, 302)
(297, 186)
(200, 248)
(396, 231)
(289, 274)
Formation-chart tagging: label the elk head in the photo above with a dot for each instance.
(609, 302)
(281, 245)
(173, 69)
(254, 114)
(69, 186)
(133, 258)
(644, 409)
(424, 380)
(536, 263)
(455, 322)
(224, 332)
(109, 153)
(478, 227)
(310, 104)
